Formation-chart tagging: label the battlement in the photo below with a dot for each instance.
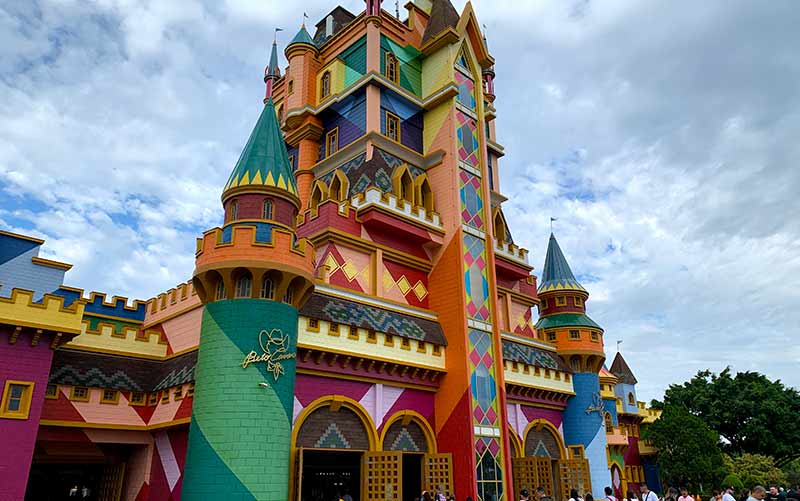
(240, 244)
(96, 303)
(178, 299)
(126, 340)
(51, 313)
(511, 251)
(373, 196)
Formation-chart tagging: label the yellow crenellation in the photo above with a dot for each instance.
(50, 314)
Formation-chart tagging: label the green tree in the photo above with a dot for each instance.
(751, 413)
(792, 471)
(733, 481)
(755, 469)
(688, 450)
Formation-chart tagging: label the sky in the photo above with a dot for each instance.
(663, 136)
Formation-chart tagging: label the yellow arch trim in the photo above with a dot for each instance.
(419, 182)
(420, 420)
(540, 423)
(397, 180)
(320, 403)
(344, 186)
(517, 447)
(342, 401)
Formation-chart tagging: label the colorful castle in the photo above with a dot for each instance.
(360, 324)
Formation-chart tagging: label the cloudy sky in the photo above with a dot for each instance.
(662, 135)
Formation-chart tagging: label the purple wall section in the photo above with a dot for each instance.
(411, 122)
(551, 415)
(18, 436)
(350, 116)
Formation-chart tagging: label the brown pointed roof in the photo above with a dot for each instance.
(443, 16)
(620, 369)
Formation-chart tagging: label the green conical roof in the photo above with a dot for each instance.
(302, 37)
(273, 70)
(264, 161)
(556, 274)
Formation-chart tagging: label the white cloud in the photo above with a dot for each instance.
(663, 137)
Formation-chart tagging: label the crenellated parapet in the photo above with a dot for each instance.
(48, 315)
(261, 251)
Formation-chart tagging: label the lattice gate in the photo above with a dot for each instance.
(532, 472)
(111, 483)
(574, 474)
(437, 473)
(382, 474)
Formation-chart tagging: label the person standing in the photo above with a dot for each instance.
(685, 495)
(647, 494)
(630, 496)
(757, 494)
(772, 494)
(573, 496)
(524, 495)
(541, 495)
(728, 494)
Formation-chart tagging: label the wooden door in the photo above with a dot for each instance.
(382, 474)
(111, 483)
(437, 473)
(532, 472)
(574, 474)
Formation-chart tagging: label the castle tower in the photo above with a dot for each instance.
(579, 341)
(252, 276)
(272, 72)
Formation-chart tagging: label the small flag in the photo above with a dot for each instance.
(553, 219)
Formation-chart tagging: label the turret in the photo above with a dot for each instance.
(562, 314)
(252, 276)
(272, 72)
(579, 340)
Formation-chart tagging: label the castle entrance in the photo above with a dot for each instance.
(329, 475)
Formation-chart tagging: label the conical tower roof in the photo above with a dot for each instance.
(264, 161)
(557, 275)
(273, 70)
(443, 15)
(620, 369)
(302, 37)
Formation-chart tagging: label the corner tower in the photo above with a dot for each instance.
(252, 275)
(579, 340)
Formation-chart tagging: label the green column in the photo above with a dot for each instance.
(240, 432)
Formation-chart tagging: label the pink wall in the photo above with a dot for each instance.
(21, 362)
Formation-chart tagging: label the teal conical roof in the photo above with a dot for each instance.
(302, 37)
(556, 274)
(264, 161)
(273, 70)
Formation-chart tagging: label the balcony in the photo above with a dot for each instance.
(511, 252)
(390, 213)
(617, 436)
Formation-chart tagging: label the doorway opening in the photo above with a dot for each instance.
(54, 482)
(412, 476)
(330, 473)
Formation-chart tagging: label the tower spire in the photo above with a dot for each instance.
(272, 72)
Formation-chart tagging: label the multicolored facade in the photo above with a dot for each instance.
(362, 322)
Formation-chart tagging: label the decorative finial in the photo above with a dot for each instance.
(397, 9)
(619, 342)
(305, 16)
(551, 223)
(275, 39)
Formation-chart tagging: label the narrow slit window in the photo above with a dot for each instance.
(393, 127)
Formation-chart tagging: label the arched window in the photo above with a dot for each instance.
(290, 87)
(267, 288)
(220, 295)
(326, 84)
(631, 399)
(266, 213)
(609, 422)
(392, 68)
(403, 184)
(244, 286)
(234, 210)
(318, 194)
(424, 193)
(338, 187)
(499, 227)
(289, 296)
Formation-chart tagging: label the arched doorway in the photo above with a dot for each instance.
(330, 441)
(542, 449)
(617, 482)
